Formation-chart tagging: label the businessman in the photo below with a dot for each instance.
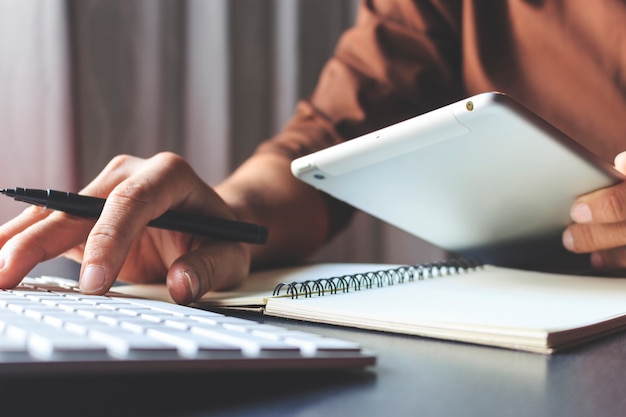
(565, 60)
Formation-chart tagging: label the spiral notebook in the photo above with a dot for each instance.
(457, 300)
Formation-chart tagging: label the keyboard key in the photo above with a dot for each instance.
(249, 343)
(312, 345)
(192, 344)
(83, 325)
(55, 345)
(176, 309)
(125, 344)
(12, 350)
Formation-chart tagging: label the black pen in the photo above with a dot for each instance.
(91, 207)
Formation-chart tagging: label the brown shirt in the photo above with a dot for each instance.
(563, 59)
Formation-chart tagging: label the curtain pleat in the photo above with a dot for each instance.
(35, 99)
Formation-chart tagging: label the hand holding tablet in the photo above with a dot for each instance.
(481, 177)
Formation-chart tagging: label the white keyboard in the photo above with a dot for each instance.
(48, 326)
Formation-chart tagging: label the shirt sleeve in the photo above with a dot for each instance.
(400, 59)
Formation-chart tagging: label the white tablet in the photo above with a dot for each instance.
(482, 177)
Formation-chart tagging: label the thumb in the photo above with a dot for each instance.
(213, 266)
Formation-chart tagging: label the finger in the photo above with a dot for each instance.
(130, 205)
(213, 266)
(24, 239)
(610, 260)
(122, 221)
(161, 183)
(585, 238)
(607, 205)
(26, 218)
(620, 162)
(116, 171)
(40, 242)
(165, 181)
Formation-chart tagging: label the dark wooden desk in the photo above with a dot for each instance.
(413, 377)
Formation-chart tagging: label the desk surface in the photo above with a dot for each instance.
(413, 376)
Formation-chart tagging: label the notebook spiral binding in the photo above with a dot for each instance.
(371, 279)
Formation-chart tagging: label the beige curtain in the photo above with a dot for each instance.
(35, 112)
(206, 79)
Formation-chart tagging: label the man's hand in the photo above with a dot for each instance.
(119, 245)
(599, 224)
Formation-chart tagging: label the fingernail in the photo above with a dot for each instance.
(620, 160)
(581, 213)
(568, 240)
(192, 283)
(93, 279)
(596, 260)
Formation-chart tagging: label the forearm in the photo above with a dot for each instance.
(384, 70)
(263, 191)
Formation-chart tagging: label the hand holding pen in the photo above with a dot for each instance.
(119, 246)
